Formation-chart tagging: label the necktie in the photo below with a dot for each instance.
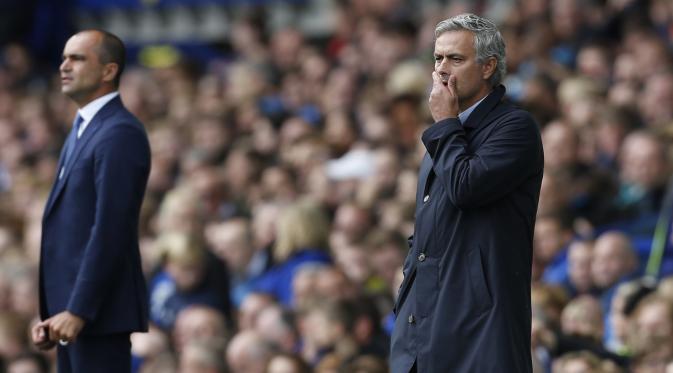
(73, 136)
(71, 142)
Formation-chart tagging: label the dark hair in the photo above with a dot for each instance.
(111, 50)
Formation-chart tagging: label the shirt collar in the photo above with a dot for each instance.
(89, 110)
(466, 114)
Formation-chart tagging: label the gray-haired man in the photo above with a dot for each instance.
(464, 304)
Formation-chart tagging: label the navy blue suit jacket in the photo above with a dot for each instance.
(90, 261)
(464, 304)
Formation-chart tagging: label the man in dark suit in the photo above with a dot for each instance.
(92, 290)
(464, 304)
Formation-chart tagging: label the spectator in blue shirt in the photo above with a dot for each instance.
(186, 279)
(301, 239)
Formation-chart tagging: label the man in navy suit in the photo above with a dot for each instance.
(464, 303)
(92, 290)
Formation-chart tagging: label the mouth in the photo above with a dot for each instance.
(65, 80)
(444, 77)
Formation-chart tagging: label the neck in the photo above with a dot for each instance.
(85, 99)
(466, 104)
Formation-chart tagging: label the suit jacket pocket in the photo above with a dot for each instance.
(427, 286)
(482, 297)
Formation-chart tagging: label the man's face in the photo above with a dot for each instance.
(560, 146)
(229, 244)
(610, 262)
(81, 70)
(455, 55)
(186, 277)
(652, 331)
(196, 324)
(548, 239)
(642, 163)
(192, 360)
(579, 265)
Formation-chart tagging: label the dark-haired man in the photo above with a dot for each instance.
(92, 290)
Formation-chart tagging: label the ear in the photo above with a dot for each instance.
(488, 68)
(110, 72)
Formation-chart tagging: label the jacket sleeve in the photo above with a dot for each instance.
(511, 153)
(121, 168)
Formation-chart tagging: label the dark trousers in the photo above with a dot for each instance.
(96, 353)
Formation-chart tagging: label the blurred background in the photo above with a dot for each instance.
(285, 147)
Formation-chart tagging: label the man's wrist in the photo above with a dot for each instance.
(76, 316)
(447, 118)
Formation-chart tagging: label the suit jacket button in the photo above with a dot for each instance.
(411, 319)
(421, 257)
(426, 198)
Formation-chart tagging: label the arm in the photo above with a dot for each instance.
(509, 156)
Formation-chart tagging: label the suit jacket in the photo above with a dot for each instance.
(90, 261)
(464, 304)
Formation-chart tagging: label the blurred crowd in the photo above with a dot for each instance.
(283, 186)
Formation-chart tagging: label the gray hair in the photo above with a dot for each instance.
(487, 40)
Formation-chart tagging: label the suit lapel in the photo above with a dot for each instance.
(423, 173)
(61, 161)
(89, 133)
(475, 120)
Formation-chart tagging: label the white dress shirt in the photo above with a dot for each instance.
(89, 110)
(87, 113)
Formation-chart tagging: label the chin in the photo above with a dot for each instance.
(69, 93)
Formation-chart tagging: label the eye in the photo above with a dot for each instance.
(438, 58)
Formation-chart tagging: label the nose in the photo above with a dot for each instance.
(443, 66)
(444, 71)
(65, 66)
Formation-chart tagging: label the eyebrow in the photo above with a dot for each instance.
(76, 56)
(450, 55)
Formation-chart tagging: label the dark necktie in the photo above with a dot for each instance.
(70, 143)
(73, 137)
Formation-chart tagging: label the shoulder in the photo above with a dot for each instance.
(115, 115)
(122, 125)
(123, 137)
(125, 120)
(506, 114)
(508, 111)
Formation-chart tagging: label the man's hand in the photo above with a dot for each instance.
(40, 335)
(62, 327)
(443, 99)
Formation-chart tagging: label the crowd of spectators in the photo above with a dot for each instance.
(283, 184)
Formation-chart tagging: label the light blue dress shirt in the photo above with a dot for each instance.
(466, 114)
